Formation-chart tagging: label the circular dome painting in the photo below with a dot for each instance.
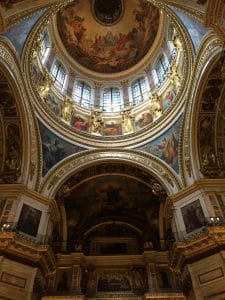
(108, 38)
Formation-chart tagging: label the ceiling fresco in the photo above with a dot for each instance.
(54, 148)
(108, 48)
(111, 198)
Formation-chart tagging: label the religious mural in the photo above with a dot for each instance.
(143, 119)
(54, 148)
(111, 197)
(29, 220)
(168, 98)
(193, 216)
(80, 122)
(112, 128)
(165, 147)
(108, 49)
(114, 281)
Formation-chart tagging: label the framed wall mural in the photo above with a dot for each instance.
(29, 220)
(193, 216)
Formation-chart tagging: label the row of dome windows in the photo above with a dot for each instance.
(111, 97)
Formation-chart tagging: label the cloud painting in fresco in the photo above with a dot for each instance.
(54, 148)
(103, 48)
(166, 146)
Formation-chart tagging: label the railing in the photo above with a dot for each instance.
(39, 239)
(181, 236)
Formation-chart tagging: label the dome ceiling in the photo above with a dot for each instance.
(108, 36)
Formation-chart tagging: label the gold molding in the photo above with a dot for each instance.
(36, 255)
(71, 165)
(211, 240)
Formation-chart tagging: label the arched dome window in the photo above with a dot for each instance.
(45, 46)
(58, 73)
(111, 100)
(161, 68)
(82, 94)
(139, 91)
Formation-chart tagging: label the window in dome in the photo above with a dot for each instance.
(161, 69)
(82, 94)
(139, 91)
(45, 46)
(112, 100)
(59, 75)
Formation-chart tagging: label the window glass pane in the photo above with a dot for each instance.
(82, 94)
(58, 74)
(139, 91)
(112, 99)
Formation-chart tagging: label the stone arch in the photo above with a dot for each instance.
(18, 132)
(159, 170)
(207, 123)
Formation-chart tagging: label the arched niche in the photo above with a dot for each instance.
(108, 180)
(16, 122)
(147, 162)
(207, 145)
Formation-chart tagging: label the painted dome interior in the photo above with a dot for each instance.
(88, 81)
(110, 37)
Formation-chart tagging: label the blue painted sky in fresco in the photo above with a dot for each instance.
(166, 146)
(54, 148)
(19, 33)
(193, 26)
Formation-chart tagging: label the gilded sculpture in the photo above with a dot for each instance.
(127, 121)
(45, 83)
(67, 109)
(155, 105)
(96, 122)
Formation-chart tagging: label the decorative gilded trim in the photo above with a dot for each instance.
(130, 140)
(70, 166)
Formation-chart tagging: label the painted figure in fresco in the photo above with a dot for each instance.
(29, 220)
(113, 194)
(145, 119)
(169, 97)
(169, 148)
(53, 152)
(79, 122)
(13, 161)
(108, 51)
(193, 216)
(112, 129)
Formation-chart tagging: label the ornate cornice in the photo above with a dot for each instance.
(205, 185)
(19, 189)
(17, 248)
(207, 243)
(130, 140)
(71, 165)
(209, 47)
(215, 17)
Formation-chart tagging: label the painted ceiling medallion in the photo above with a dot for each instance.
(108, 49)
(107, 12)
